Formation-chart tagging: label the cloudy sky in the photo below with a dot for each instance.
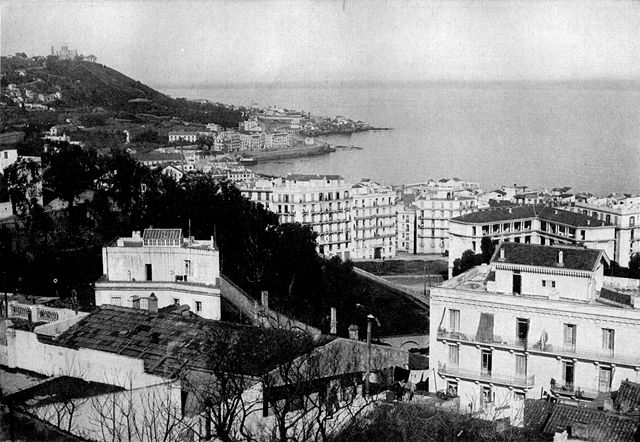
(180, 43)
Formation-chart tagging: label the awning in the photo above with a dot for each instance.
(485, 328)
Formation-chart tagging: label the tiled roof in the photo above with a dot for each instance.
(627, 399)
(594, 425)
(308, 177)
(173, 338)
(547, 256)
(162, 236)
(544, 213)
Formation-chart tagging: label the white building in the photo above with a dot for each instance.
(406, 224)
(530, 225)
(162, 263)
(434, 210)
(624, 213)
(373, 216)
(8, 156)
(537, 321)
(190, 137)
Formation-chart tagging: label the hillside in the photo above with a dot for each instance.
(92, 85)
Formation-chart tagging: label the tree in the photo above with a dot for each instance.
(70, 170)
(24, 179)
(488, 247)
(634, 266)
(466, 262)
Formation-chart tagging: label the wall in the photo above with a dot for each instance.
(567, 285)
(166, 292)
(24, 351)
(128, 263)
(546, 318)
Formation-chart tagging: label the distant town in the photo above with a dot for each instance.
(147, 269)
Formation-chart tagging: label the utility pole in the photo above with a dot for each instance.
(370, 319)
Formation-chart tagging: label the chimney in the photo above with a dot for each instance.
(264, 299)
(502, 257)
(334, 321)
(153, 303)
(353, 332)
(135, 301)
(213, 242)
(561, 258)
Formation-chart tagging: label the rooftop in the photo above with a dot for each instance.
(574, 258)
(594, 425)
(174, 337)
(545, 213)
(309, 177)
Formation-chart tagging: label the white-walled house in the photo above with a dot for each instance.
(150, 372)
(163, 263)
(537, 321)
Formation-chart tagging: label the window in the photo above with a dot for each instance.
(486, 362)
(116, 300)
(608, 338)
(144, 303)
(487, 395)
(570, 337)
(452, 388)
(198, 306)
(454, 355)
(454, 320)
(522, 330)
(604, 379)
(149, 272)
(521, 365)
(187, 267)
(548, 283)
(567, 373)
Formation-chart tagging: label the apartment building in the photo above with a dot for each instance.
(406, 224)
(191, 137)
(320, 201)
(528, 224)
(434, 210)
(373, 215)
(623, 211)
(161, 266)
(538, 321)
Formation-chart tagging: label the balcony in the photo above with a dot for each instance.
(495, 341)
(571, 352)
(569, 389)
(489, 377)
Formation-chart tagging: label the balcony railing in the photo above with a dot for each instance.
(569, 389)
(493, 341)
(514, 381)
(572, 352)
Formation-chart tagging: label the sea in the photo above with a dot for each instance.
(539, 135)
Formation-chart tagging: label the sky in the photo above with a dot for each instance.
(190, 43)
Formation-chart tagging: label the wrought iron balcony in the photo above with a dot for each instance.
(484, 376)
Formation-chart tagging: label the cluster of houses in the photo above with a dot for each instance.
(23, 96)
(539, 337)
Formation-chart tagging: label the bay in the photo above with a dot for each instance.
(547, 136)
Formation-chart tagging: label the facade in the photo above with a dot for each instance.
(530, 225)
(537, 321)
(373, 216)
(320, 201)
(8, 156)
(624, 213)
(163, 264)
(190, 137)
(406, 224)
(433, 212)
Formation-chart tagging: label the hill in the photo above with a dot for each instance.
(91, 85)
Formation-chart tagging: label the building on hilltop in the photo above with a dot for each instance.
(529, 224)
(164, 265)
(538, 321)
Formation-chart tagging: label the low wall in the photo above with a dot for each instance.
(416, 296)
(259, 315)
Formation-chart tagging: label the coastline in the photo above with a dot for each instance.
(292, 152)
